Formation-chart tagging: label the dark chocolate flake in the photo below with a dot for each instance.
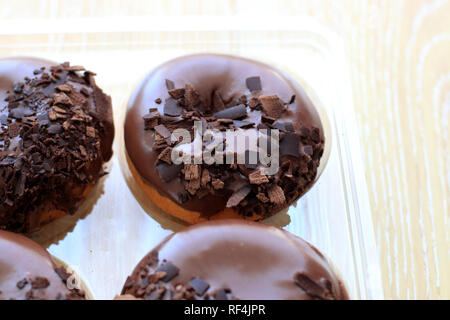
(308, 150)
(172, 108)
(272, 105)
(163, 131)
(20, 112)
(22, 283)
(199, 286)
(290, 145)
(168, 172)
(191, 96)
(312, 288)
(177, 93)
(276, 195)
(238, 196)
(63, 274)
(236, 112)
(40, 283)
(170, 84)
(54, 128)
(221, 294)
(257, 178)
(243, 124)
(253, 83)
(151, 120)
(171, 271)
(166, 155)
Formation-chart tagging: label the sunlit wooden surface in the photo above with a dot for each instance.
(399, 60)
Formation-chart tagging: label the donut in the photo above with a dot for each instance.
(27, 271)
(56, 133)
(234, 259)
(206, 93)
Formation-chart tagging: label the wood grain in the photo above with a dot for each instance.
(400, 71)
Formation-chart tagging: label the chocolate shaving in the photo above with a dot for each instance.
(257, 178)
(272, 105)
(221, 294)
(166, 155)
(168, 172)
(276, 195)
(206, 178)
(151, 120)
(292, 100)
(253, 83)
(191, 96)
(170, 271)
(170, 84)
(162, 131)
(308, 150)
(22, 283)
(176, 93)
(171, 108)
(262, 197)
(236, 112)
(218, 184)
(312, 288)
(243, 124)
(191, 171)
(290, 145)
(199, 286)
(40, 283)
(217, 101)
(238, 196)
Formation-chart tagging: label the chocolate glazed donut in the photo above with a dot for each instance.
(223, 92)
(27, 271)
(238, 260)
(56, 133)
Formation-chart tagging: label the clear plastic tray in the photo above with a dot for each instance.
(116, 227)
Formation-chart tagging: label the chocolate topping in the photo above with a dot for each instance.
(237, 112)
(171, 108)
(218, 91)
(253, 83)
(239, 260)
(27, 271)
(56, 133)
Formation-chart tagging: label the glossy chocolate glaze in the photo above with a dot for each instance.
(13, 70)
(254, 260)
(207, 73)
(21, 258)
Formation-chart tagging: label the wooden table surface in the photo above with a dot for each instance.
(398, 53)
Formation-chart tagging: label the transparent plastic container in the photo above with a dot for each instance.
(116, 226)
